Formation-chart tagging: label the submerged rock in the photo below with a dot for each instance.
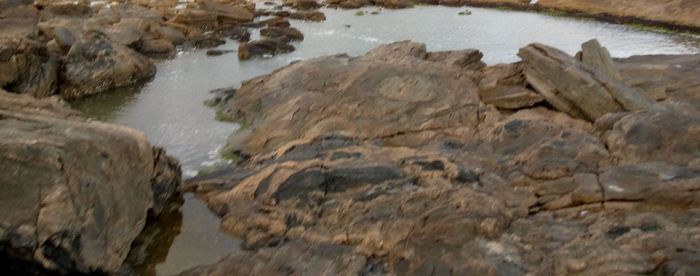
(75, 192)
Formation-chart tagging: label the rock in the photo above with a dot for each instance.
(20, 21)
(504, 86)
(580, 90)
(218, 52)
(665, 135)
(285, 34)
(303, 5)
(241, 34)
(308, 16)
(349, 4)
(75, 192)
(510, 97)
(466, 59)
(293, 257)
(392, 162)
(25, 67)
(225, 13)
(208, 42)
(683, 14)
(196, 18)
(274, 22)
(94, 64)
(663, 76)
(263, 46)
(465, 12)
(157, 48)
(382, 91)
(171, 34)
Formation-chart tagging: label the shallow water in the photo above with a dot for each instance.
(170, 110)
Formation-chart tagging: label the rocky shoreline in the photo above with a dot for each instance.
(399, 162)
(408, 162)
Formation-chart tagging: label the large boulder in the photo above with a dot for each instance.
(75, 192)
(587, 88)
(95, 64)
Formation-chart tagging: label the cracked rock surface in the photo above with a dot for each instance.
(401, 162)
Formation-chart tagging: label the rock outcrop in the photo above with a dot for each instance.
(673, 13)
(76, 49)
(405, 162)
(75, 193)
(588, 87)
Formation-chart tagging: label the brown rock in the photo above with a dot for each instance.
(263, 46)
(579, 90)
(90, 67)
(392, 90)
(75, 192)
(25, 67)
(308, 16)
(285, 34)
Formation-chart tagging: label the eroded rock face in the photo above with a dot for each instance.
(96, 64)
(399, 163)
(75, 193)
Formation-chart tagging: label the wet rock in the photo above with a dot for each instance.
(285, 34)
(75, 192)
(581, 91)
(95, 64)
(208, 42)
(308, 16)
(218, 52)
(225, 13)
(241, 34)
(348, 4)
(263, 46)
(303, 4)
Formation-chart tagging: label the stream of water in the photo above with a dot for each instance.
(170, 109)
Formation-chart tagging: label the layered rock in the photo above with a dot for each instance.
(403, 162)
(75, 192)
(588, 87)
(374, 97)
